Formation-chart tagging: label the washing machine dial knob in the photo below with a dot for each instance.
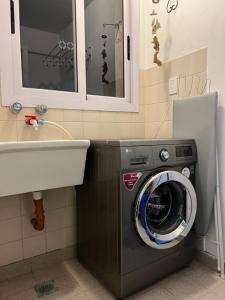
(164, 155)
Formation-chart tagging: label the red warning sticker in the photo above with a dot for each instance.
(131, 179)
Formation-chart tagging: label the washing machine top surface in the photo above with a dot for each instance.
(141, 142)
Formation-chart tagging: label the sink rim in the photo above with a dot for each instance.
(48, 144)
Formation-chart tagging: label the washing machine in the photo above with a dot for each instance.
(136, 211)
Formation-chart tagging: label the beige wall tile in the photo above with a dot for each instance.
(34, 246)
(148, 131)
(93, 130)
(50, 132)
(137, 130)
(91, 116)
(124, 117)
(158, 112)
(140, 116)
(156, 93)
(25, 112)
(158, 130)
(75, 129)
(27, 133)
(8, 131)
(6, 114)
(72, 115)
(108, 117)
(54, 115)
(197, 62)
(141, 78)
(116, 131)
(154, 76)
(10, 230)
(11, 252)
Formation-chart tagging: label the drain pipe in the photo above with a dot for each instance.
(39, 221)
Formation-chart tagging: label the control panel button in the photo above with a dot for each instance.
(164, 155)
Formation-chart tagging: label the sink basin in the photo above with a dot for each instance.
(41, 165)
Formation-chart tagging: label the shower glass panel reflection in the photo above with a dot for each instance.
(104, 29)
(48, 44)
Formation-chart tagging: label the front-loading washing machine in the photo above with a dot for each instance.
(136, 211)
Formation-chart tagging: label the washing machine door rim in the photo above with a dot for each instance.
(169, 240)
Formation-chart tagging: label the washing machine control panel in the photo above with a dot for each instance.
(164, 155)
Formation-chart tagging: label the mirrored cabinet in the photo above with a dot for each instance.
(72, 54)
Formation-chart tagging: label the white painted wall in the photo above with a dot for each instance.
(194, 25)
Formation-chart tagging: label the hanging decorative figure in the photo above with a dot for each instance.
(104, 57)
(156, 46)
(172, 5)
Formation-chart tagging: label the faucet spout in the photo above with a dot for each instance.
(33, 121)
(35, 125)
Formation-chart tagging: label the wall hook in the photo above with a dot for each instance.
(154, 13)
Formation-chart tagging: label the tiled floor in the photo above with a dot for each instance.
(73, 282)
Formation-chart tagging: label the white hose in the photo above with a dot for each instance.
(66, 132)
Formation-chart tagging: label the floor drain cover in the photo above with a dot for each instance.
(45, 288)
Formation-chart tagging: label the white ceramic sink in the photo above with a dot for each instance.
(41, 165)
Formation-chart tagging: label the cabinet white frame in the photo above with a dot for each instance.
(12, 89)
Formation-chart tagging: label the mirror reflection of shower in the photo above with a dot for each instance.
(104, 47)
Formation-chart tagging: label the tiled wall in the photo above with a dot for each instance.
(18, 240)
(192, 73)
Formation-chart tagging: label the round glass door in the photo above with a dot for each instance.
(165, 210)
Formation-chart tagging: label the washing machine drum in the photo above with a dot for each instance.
(165, 209)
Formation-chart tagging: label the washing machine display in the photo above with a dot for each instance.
(165, 210)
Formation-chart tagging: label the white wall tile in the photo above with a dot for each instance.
(10, 230)
(54, 199)
(71, 236)
(56, 240)
(34, 246)
(28, 229)
(10, 207)
(11, 252)
(70, 216)
(70, 195)
(27, 205)
(56, 219)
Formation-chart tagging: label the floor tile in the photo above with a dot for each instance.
(25, 295)
(16, 285)
(73, 282)
(156, 293)
(217, 293)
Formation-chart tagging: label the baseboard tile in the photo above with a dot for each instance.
(207, 259)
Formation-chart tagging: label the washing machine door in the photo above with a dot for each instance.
(165, 209)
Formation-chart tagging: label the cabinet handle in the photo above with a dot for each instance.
(12, 10)
(128, 47)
